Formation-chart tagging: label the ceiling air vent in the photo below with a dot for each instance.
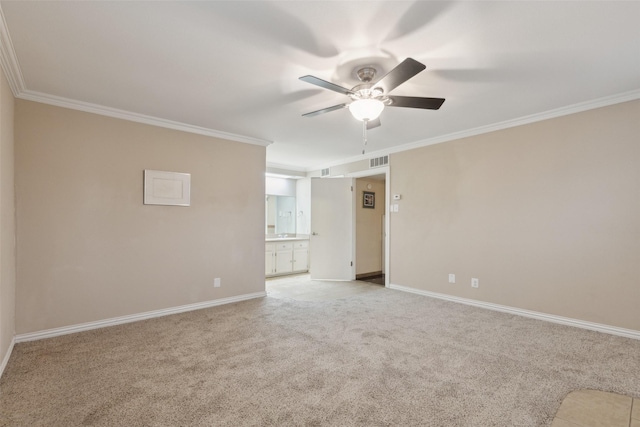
(378, 161)
(324, 172)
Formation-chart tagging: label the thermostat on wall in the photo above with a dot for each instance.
(397, 196)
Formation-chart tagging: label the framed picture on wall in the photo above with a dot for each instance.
(368, 199)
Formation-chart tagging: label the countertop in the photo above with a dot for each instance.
(286, 239)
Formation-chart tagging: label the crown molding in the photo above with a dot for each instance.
(538, 117)
(136, 117)
(532, 118)
(353, 159)
(271, 165)
(11, 68)
(9, 60)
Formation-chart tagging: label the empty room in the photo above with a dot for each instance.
(447, 196)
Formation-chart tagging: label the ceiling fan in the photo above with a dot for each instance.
(369, 99)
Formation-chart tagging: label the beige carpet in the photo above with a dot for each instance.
(300, 287)
(376, 358)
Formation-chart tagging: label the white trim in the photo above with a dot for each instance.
(11, 67)
(271, 165)
(87, 107)
(9, 60)
(50, 333)
(387, 202)
(532, 118)
(613, 330)
(7, 355)
(380, 170)
(284, 173)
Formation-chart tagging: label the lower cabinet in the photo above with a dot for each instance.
(286, 257)
(269, 259)
(301, 259)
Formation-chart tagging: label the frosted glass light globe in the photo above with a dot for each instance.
(366, 109)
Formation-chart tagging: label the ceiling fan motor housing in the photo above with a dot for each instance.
(365, 91)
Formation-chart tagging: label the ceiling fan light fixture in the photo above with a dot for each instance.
(366, 109)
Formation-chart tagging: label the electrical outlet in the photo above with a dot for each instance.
(216, 282)
(475, 283)
(452, 278)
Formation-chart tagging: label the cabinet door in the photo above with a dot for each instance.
(301, 259)
(269, 258)
(284, 261)
(269, 264)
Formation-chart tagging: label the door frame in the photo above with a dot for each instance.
(387, 198)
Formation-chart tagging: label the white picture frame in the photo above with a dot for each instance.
(167, 188)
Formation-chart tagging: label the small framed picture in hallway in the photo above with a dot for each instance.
(369, 199)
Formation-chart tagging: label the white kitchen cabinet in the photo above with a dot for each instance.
(269, 259)
(301, 255)
(286, 257)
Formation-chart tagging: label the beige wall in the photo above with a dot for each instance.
(88, 249)
(546, 215)
(7, 221)
(369, 227)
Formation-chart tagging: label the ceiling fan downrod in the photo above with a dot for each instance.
(366, 74)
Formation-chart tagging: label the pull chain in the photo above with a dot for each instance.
(364, 135)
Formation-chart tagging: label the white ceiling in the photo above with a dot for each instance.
(233, 67)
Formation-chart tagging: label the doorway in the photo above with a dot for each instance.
(333, 224)
(370, 228)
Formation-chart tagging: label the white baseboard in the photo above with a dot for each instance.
(613, 330)
(6, 357)
(50, 333)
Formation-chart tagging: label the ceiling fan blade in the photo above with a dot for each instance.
(403, 72)
(416, 102)
(325, 84)
(325, 110)
(371, 124)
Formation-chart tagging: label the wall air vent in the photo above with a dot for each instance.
(324, 172)
(378, 161)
